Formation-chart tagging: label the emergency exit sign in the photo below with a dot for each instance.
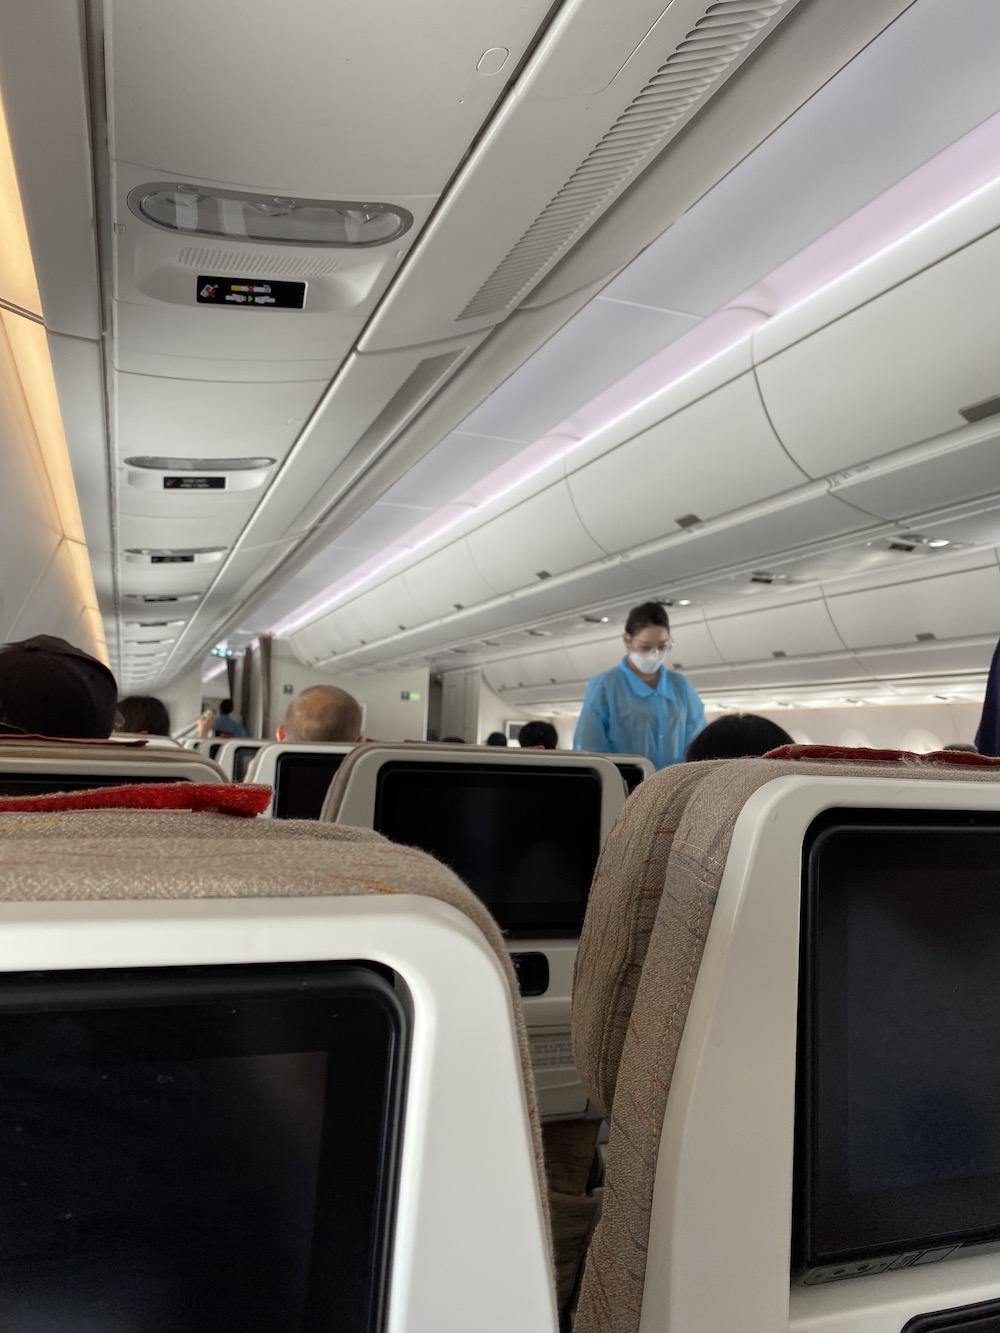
(410, 696)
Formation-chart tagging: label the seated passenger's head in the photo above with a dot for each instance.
(143, 715)
(496, 738)
(50, 688)
(737, 736)
(226, 707)
(538, 736)
(321, 713)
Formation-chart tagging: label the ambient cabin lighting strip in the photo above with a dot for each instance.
(29, 347)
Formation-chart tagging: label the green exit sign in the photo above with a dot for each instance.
(410, 696)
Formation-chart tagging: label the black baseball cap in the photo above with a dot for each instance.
(50, 688)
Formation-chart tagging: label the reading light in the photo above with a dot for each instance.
(936, 543)
(274, 219)
(684, 601)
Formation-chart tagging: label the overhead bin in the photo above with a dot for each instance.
(791, 630)
(895, 369)
(799, 520)
(948, 605)
(539, 538)
(712, 456)
(953, 468)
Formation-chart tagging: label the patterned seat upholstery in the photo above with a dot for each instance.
(695, 815)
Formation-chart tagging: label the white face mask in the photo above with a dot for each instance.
(649, 661)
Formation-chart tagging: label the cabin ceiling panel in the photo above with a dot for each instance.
(394, 92)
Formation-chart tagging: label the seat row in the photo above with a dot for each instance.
(784, 998)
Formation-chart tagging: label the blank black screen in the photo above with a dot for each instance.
(301, 782)
(243, 757)
(903, 1034)
(190, 1154)
(524, 839)
(632, 774)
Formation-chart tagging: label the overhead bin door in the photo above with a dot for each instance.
(948, 606)
(714, 456)
(892, 372)
(539, 538)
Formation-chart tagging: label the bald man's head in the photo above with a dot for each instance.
(322, 713)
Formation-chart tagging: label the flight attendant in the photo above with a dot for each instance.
(640, 706)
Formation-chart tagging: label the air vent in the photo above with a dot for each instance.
(491, 643)
(458, 606)
(926, 637)
(779, 652)
(907, 548)
(989, 407)
(687, 521)
(543, 574)
(200, 555)
(151, 473)
(540, 633)
(155, 624)
(762, 576)
(217, 259)
(696, 67)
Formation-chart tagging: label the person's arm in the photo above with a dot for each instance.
(592, 730)
(695, 714)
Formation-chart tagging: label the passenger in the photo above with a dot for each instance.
(641, 707)
(538, 736)
(496, 738)
(988, 735)
(143, 715)
(737, 736)
(322, 713)
(225, 724)
(50, 688)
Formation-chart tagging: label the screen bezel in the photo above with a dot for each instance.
(224, 987)
(820, 1178)
(522, 919)
(251, 752)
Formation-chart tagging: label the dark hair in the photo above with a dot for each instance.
(737, 736)
(496, 738)
(142, 713)
(452, 740)
(226, 707)
(534, 734)
(649, 613)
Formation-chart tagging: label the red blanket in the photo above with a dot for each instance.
(235, 799)
(862, 756)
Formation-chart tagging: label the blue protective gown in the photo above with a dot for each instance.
(623, 715)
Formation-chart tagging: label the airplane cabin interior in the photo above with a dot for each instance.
(512, 495)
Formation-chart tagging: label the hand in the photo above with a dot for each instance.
(205, 724)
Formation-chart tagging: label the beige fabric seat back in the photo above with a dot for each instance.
(111, 889)
(38, 767)
(695, 1231)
